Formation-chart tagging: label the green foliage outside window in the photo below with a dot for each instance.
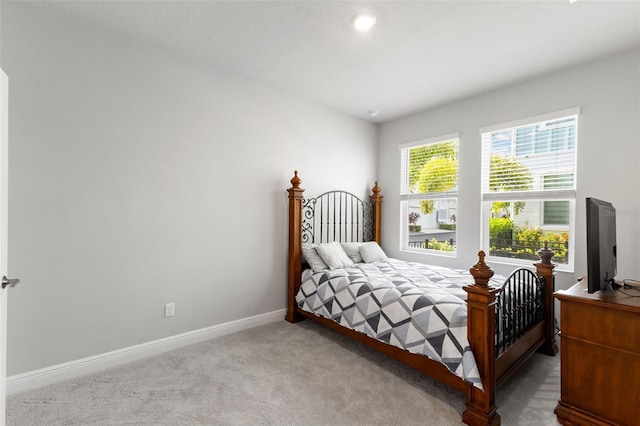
(529, 237)
(523, 242)
(433, 168)
(507, 174)
(419, 156)
(441, 245)
(501, 227)
(439, 174)
(447, 226)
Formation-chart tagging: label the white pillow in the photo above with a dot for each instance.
(371, 252)
(353, 251)
(312, 258)
(333, 255)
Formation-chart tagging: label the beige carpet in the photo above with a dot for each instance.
(279, 374)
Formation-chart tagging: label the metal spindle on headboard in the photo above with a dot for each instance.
(337, 216)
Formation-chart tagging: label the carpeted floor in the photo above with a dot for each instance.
(278, 374)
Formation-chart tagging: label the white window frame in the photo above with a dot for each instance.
(406, 197)
(533, 195)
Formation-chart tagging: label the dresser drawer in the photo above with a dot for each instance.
(601, 324)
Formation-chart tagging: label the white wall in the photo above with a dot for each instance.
(137, 179)
(608, 93)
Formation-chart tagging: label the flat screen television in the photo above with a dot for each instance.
(601, 246)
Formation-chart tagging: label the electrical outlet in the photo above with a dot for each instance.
(169, 309)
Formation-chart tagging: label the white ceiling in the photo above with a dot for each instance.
(420, 54)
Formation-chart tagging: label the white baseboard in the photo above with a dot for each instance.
(68, 370)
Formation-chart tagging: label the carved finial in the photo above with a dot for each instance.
(545, 254)
(376, 189)
(481, 272)
(295, 180)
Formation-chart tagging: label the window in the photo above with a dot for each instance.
(429, 194)
(557, 212)
(528, 186)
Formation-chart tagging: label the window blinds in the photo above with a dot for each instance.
(534, 160)
(430, 169)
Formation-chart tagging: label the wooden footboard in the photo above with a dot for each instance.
(541, 335)
(481, 333)
(481, 301)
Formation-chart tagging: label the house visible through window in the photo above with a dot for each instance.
(557, 212)
(429, 194)
(528, 186)
(542, 138)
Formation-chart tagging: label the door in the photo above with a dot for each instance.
(4, 135)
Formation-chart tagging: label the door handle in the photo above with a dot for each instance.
(10, 282)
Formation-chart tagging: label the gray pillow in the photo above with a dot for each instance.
(353, 251)
(333, 255)
(371, 252)
(312, 258)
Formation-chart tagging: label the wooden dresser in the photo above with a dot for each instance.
(600, 357)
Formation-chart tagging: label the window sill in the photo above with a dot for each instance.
(449, 254)
(560, 267)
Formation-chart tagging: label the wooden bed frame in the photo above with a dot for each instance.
(481, 300)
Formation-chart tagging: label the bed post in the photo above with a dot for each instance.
(376, 201)
(481, 325)
(545, 268)
(295, 247)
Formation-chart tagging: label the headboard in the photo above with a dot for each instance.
(332, 216)
(336, 216)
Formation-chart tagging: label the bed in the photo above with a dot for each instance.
(467, 330)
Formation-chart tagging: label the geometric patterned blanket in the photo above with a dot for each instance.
(417, 307)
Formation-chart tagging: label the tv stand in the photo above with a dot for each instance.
(608, 290)
(599, 357)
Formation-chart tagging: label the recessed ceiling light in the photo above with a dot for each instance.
(363, 21)
(374, 112)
